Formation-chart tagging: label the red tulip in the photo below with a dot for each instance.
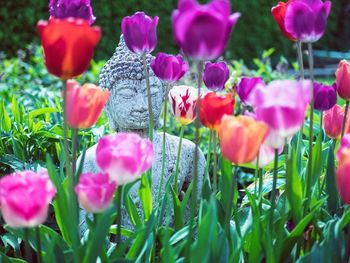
(213, 107)
(68, 45)
(279, 13)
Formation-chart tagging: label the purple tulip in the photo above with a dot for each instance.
(72, 8)
(246, 86)
(202, 31)
(140, 32)
(169, 68)
(216, 75)
(306, 20)
(282, 105)
(325, 96)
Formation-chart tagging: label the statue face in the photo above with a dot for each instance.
(127, 108)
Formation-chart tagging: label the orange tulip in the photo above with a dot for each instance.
(240, 138)
(343, 79)
(343, 178)
(84, 104)
(333, 122)
(213, 107)
(68, 45)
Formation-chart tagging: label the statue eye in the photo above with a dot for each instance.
(126, 94)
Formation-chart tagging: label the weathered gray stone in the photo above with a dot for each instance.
(127, 111)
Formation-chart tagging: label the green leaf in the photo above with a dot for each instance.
(145, 195)
(132, 211)
(97, 239)
(294, 188)
(16, 111)
(38, 112)
(331, 187)
(178, 211)
(5, 121)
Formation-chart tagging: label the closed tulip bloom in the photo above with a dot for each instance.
(282, 105)
(84, 104)
(325, 96)
(240, 138)
(343, 178)
(246, 86)
(124, 156)
(279, 13)
(183, 101)
(306, 21)
(68, 45)
(25, 198)
(344, 148)
(169, 68)
(343, 80)
(216, 75)
(213, 107)
(72, 8)
(333, 122)
(140, 32)
(202, 31)
(95, 192)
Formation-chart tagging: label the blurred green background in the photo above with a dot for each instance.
(256, 30)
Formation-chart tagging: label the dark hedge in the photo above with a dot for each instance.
(255, 31)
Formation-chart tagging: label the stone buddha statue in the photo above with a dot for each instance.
(127, 111)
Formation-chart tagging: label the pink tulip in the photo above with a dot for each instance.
(183, 101)
(95, 192)
(333, 122)
(124, 156)
(282, 105)
(25, 198)
(344, 147)
(343, 79)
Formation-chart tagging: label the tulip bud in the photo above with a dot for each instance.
(25, 198)
(240, 138)
(124, 156)
(246, 87)
(343, 80)
(169, 68)
(333, 122)
(216, 75)
(140, 32)
(95, 192)
(183, 101)
(213, 107)
(325, 96)
(84, 104)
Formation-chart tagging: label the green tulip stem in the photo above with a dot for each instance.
(215, 177)
(176, 183)
(207, 174)
(256, 173)
(149, 98)
(119, 214)
(28, 251)
(200, 67)
(274, 186)
(38, 244)
(300, 60)
(344, 120)
(75, 145)
(163, 143)
(309, 175)
(230, 201)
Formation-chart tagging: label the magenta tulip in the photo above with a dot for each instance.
(25, 198)
(124, 156)
(325, 96)
(140, 32)
(202, 31)
(72, 8)
(169, 68)
(95, 192)
(306, 20)
(246, 86)
(216, 75)
(282, 105)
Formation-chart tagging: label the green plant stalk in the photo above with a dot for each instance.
(301, 77)
(321, 134)
(261, 180)
(230, 202)
(176, 183)
(209, 155)
(28, 252)
(71, 181)
(149, 98)
(200, 66)
(273, 194)
(256, 174)
(74, 151)
(119, 214)
(215, 176)
(38, 244)
(344, 120)
(163, 144)
(309, 175)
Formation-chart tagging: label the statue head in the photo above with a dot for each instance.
(123, 75)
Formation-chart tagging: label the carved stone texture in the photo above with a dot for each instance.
(127, 111)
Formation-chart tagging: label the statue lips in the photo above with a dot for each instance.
(139, 117)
